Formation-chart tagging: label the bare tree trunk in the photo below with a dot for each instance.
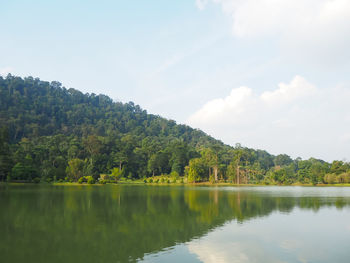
(237, 174)
(216, 173)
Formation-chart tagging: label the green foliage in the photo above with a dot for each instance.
(53, 133)
(116, 174)
(282, 160)
(5, 154)
(174, 176)
(102, 181)
(196, 170)
(75, 169)
(212, 178)
(333, 178)
(90, 180)
(36, 180)
(23, 171)
(150, 180)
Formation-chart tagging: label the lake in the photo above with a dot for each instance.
(139, 223)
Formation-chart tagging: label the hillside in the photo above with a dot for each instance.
(51, 133)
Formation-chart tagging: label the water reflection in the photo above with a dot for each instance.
(125, 223)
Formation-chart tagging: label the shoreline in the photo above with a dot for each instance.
(174, 184)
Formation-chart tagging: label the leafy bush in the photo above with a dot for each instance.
(36, 180)
(174, 176)
(212, 179)
(330, 178)
(81, 180)
(90, 180)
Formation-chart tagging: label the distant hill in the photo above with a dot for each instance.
(50, 133)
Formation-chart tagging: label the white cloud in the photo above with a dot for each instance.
(201, 4)
(260, 17)
(236, 104)
(296, 118)
(285, 93)
(242, 103)
(216, 251)
(306, 29)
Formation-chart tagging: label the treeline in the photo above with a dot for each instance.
(50, 133)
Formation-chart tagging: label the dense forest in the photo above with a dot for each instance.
(49, 133)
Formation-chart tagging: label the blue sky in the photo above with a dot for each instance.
(268, 74)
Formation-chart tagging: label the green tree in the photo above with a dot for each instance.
(5, 154)
(75, 169)
(116, 174)
(196, 170)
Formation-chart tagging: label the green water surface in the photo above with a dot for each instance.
(121, 223)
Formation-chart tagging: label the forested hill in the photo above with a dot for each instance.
(34, 108)
(52, 125)
(51, 133)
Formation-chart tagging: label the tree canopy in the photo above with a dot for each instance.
(50, 133)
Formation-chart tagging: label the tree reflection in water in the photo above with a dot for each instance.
(122, 223)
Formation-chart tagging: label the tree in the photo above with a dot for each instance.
(240, 155)
(282, 160)
(5, 154)
(75, 169)
(24, 170)
(116, 174)
(210, 155)
(196, 170)
(93, 145)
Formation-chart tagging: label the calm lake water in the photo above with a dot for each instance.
(113, 223)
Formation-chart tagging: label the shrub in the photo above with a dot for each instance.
(174, 176)
(81, 180)
(104, 177)
(90, 180)
(330, 178)
(212, 179)
(36, 180)
(344, 178)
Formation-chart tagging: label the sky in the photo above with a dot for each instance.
(269, 74)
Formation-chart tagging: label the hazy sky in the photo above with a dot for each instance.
(269, 74)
